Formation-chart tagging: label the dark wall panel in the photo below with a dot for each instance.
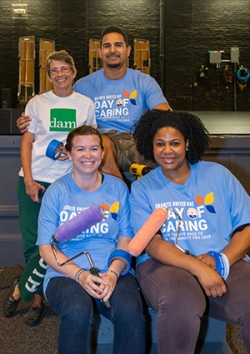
(192, 28)
(140, 19)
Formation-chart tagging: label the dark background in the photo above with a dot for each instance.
(191, 29)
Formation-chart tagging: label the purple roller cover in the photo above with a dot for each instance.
(78, 224)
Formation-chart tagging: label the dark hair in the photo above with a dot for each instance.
(114, 29)
(190, 126)
(61, 55)
(82, 130)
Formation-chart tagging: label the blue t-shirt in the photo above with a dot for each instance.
(64, 200)
(120, 103)
(212, 204)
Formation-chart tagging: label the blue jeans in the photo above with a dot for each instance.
(76, 307)
(180, 303)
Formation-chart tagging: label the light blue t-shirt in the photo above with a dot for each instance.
(212, 204)
(64, 200)
(120, 103)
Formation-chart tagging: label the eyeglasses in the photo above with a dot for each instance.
(63, 70)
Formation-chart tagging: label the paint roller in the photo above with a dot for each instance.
(150, 228)
(147, 231)
(78, 224)
(74, 227)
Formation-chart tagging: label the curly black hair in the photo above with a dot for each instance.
(188, 124)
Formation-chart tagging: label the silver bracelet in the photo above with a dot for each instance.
(112, 271)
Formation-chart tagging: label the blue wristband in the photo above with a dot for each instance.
(51, 149)
(222, 263)
(123, 255)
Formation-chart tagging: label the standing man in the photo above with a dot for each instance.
(121, 95)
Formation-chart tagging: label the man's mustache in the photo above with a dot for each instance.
(112, 54)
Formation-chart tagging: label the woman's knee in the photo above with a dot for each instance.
(129, 296)
(170, 287)
(187, 299)
(73, 303)
(77, 313)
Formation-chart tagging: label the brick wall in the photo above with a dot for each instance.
(192, 27)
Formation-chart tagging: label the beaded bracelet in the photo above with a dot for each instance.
(78, 273)
(112, 271)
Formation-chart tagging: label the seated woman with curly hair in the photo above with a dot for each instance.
(197, 261)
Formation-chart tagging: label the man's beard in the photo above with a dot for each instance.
(113, 66)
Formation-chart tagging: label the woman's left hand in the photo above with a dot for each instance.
(111, 281)
(207, 259)
(211, 281)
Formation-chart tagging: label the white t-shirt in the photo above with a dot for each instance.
(53, 117)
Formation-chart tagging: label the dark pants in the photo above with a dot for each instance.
(33, 275)
(180, 302)
(75, 307)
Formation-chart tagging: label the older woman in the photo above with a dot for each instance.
(54, 114)
(71, 289)
(197, 259)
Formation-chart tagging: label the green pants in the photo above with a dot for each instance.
(33, 275)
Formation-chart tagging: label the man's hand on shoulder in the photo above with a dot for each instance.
(23, 122)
